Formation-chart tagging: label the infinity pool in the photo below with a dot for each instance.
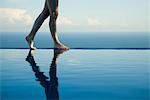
(75, 74)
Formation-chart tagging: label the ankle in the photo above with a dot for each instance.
(29, 38)
(57, 43)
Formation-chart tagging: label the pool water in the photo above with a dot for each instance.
(74, 75)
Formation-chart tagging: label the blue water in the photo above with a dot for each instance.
(80, 40)
(75, 74)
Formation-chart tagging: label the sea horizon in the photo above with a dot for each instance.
(79, 40)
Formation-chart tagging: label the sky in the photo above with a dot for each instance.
(78, 15)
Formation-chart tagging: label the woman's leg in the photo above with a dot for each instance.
(38, 22)
(53, 9)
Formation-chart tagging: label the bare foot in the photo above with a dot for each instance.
(30, 43)
(61, 47)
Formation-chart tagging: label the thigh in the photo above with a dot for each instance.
(52, 5)
(45, 13)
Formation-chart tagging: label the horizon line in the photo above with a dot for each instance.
(81, 31)
(91, 48)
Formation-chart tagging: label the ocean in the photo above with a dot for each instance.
(80, 40)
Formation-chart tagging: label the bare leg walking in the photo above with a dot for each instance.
(50, 9)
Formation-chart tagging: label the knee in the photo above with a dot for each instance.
(55, 15)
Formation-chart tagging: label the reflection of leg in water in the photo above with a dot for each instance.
(50, 9)
(50, 86)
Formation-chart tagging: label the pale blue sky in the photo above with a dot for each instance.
(80, 15)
